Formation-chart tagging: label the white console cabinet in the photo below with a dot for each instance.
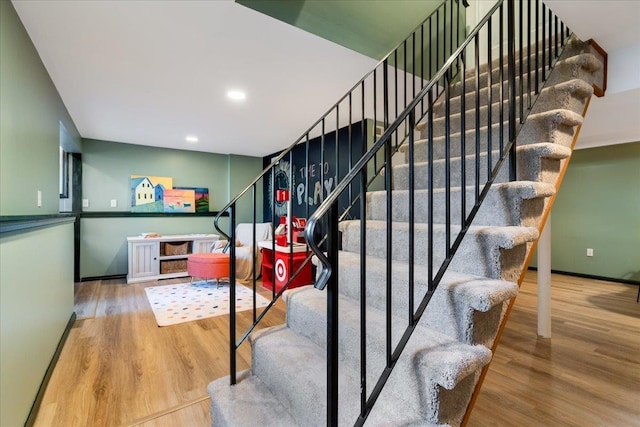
(165, 257)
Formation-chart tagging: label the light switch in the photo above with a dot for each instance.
(85, 203)
(114, 203)
(39, 198)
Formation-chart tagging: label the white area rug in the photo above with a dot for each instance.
(184, 302)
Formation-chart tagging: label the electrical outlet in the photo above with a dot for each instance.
(114, 203)
(589, 252)
(39, 198)
(85, 203)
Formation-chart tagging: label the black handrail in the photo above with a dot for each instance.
(366, 96)
(439, 88)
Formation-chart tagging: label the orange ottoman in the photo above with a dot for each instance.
(208, 266)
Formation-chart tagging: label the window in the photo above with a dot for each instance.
(64, 174)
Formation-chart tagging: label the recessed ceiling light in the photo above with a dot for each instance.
(236, 95)
(191, 138)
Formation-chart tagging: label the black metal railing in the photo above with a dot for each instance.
(318, 161)
(501, 83)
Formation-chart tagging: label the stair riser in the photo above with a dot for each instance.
(421, 145)
(538, 128)
(303, 398)
(528, 80)
(542, 49)
(578, 60)
(570, 95)
(455, 119)
(499, 208)
(528, 85)
(575, 67)
(450, 312)
(531, 167)
(543, 126)
(498, 261)
(421, 177)
(409, 381)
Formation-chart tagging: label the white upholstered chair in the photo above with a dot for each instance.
(245, 249)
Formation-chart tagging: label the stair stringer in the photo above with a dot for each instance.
(596, 76)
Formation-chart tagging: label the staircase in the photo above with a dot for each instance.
(435, 235)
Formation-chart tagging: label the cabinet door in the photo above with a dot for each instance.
(143, 259)
(202, 246)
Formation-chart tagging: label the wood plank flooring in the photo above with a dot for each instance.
(587, 374)
(118, 368)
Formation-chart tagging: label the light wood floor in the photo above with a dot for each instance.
(119, 369)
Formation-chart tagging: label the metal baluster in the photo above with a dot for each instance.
(389, 189)
(549, 41)
(350, 154)
(544, 55)
(375, 119)
(447, 165)
(489, 99)
(477, 81)
(529, 54)
(512, 84)
(421, 68)
(332, 319)
(412, 193)
(537, 46)
(463, 136)
(232, 299)
(363, 293)
(555, 27)
(253, 254)
(413, 65)
(501, 87)
(430, 188)
(521, 66)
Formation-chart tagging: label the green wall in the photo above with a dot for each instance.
(36, 266)
(372, 28)
(30, 112)
(107, 167)
(598, 206)
(36, 303)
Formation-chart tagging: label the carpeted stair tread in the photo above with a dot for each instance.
(283, 357)
(496, 290)
(416, 372)
(535, 163)
(553, 125)
(508, 203)
(500, 249)
(506, 237)
(541, 162)
(581, 66)
(556, 126)
(572, 47)
(463, 360)
(244, 403)
(578, 66)
(569, 95)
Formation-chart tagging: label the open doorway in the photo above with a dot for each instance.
(70, 175)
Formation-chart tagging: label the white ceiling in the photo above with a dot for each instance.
(614, 25)
(153, 72)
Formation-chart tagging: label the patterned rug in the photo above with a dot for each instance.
(184, 302)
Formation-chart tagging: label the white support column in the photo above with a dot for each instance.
(544, 281)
